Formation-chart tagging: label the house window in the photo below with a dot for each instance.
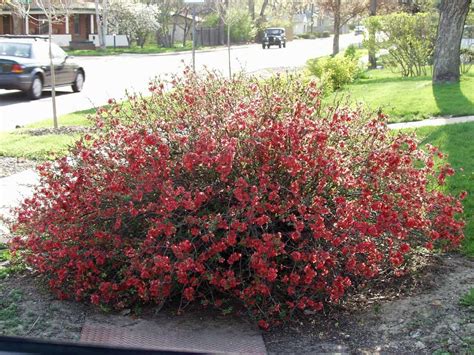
(77, 29)
(42, 25)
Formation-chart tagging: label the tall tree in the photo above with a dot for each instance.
(251, 5)
(372, 54)
(343, 11)
(448, 41)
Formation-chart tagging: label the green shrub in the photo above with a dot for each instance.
(351, 52)
(467, 60)
(408, 38)
(313, 35)
(211, 20)
(334, 72)
(241, 26)
(308, 35)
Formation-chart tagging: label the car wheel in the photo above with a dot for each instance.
(79, 82)
(263, 45)
(284, 44)
(279, 46)
(36, 89)
(268, 46)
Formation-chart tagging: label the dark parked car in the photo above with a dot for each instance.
(274, 37)
(25, 65)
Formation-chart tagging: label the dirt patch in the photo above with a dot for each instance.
(430, 320)
(68, 130)
(27, 309)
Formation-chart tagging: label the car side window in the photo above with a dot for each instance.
(41, 51)
(57, 52)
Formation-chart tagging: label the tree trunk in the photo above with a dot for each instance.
(252, 9)
(100, 27)
(17, 24)
(263, 8)
(448, 42)
(337, 26)
(372, 54)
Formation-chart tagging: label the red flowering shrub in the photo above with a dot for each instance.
(218, 191)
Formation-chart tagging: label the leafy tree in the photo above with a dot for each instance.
(134, 19)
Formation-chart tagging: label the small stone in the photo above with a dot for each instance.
(470, 328)
(415, 334)
(419, 345)
(454, 327)
(125, 312)
(437, 303)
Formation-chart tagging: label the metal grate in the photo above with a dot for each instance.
(175, 334)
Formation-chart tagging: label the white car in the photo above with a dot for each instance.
(359, 30)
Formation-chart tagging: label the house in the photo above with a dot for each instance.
(77, 27)
(301, 23)
(181, 26)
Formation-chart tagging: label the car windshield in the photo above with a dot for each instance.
(22, 50)
(274, 32)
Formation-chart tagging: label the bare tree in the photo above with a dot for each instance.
(343, 11)
(54, 11)
(448, 42)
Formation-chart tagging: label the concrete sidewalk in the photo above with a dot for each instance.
(13, 190)
(437, 121)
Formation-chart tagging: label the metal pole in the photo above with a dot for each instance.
(194, 37)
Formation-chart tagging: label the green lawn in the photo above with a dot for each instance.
(147, 49)
(410, 99)
(19, 143)
(458, 142)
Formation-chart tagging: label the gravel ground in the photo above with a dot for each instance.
(430, 320)
(10, 166)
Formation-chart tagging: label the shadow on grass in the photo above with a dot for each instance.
(456, 141)
(450, 95)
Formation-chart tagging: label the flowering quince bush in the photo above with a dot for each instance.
(221, 191)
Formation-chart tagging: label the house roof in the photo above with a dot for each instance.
(76, 7)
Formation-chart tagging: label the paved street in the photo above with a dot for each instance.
(109, 77)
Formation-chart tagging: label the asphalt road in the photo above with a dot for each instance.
(110, 77)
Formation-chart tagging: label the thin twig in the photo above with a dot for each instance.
(36, 321)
